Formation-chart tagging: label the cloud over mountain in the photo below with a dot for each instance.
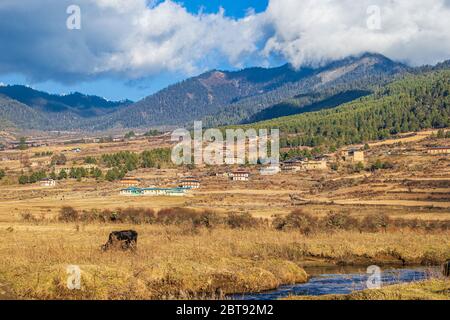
(138, 38)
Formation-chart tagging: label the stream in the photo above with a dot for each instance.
(341, 280)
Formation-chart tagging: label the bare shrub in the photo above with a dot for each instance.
(135, 215)
(340, 221)
(28, 217)
(176, 216)
(207, 219)
(375, 222)
(242, 221)
(68, 214)
(298, 220)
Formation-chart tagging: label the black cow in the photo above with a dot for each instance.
(124, 240)
(446, 269)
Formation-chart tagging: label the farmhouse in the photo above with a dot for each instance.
(222, 174)
(439, 150)
(172, 192)
(270, 170)
(353, 155)
(303, 164)
(294, 165)
(240, 175)
(189, 183)
(48, 182)
(130, 181)
(29, 144)
(318, 164)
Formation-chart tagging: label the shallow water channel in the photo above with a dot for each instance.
(341, 280)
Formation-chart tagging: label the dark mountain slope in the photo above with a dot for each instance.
(220, 97)
(307, 103)
(14, 114)
(25, 108)
(414, 103)
(364, 73)
(76, 103)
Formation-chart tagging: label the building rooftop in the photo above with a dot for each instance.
(440, 147)
(153, 189)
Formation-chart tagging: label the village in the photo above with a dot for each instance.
(205, 229)
(295, 180)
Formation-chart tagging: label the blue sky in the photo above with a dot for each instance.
(233, 8)
(128, 49)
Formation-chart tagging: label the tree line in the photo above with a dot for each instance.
(411, 104)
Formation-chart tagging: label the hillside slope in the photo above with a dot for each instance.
(25, 108)
(414, 103)
(14, 114)
(220, 97)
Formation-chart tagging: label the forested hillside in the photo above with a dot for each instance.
(221, 97)
(218, 98)
(364, 73)
(15, 114)
(25, 108)
(76, 104)
(411, 104)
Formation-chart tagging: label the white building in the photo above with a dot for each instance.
(48, 182)
(171, 192)
(270, 170)
(190, 183)
(240, 175)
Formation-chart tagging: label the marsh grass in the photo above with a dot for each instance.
(172, 262)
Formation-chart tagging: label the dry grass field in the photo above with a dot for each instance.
(181, 261)
(176, 262)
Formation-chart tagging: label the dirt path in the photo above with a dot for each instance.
(249, 192)
(408, 138)
(403, 203)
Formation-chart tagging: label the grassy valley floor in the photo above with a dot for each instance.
(181, 262)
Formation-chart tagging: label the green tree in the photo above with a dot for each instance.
(53, 175)
(23, 143)
(90, 160)
(23, 179)
(359, 167)
(96, 173)
(129, 135)
(59, 159)
(62, 174)
(152, 133)
(377, 165)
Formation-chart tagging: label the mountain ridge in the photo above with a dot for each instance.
(245, 92)
(217, 97)
(76, 102)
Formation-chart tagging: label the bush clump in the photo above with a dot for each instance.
(297, 220)
(171, 216)
(68, 214)
(340, 221)
(376, 222)
(242, 221)
(304, 222)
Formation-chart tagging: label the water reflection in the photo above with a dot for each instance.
(341, 281)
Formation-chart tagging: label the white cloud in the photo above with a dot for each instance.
(309, 31)
(139, 38)
(168, 37)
